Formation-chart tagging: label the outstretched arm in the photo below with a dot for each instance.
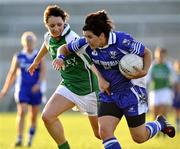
(42, 78)
(42, 52)
(10, 77)
(62, 52)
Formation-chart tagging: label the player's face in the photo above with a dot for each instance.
(55, 26)
(93, 40)
(159, 55)
(177, 65)
(29, 44)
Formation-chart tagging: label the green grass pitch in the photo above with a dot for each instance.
(79, 134)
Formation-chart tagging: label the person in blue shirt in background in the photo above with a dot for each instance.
(102, 49)
(29, 89)
(176, 100)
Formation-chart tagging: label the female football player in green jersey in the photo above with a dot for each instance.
(160, 79)
(77, 85)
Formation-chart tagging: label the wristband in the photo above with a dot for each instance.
(61, 56)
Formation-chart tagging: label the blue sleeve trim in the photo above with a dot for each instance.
(76, 44)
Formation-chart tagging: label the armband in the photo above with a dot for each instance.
(61, 56)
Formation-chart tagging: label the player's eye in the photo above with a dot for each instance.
(51, 25)
(59, 24)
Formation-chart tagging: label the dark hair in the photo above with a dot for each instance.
(98, 23)
(54, 10)
(162, 50)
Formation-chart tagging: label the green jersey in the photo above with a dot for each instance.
(75, 75)
(160, 76)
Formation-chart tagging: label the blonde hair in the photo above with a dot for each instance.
(27, 34)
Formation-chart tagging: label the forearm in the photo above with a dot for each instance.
(147, 60)
(8, 82)
(11, 75)
(104, 85)
(43, 51)
(63, 50)
(42, 76)
(96, 72)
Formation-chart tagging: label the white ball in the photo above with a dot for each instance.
(128, 62)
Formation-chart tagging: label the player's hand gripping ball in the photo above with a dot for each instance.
(129, 63)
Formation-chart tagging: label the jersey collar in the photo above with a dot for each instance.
(66, 29)
(29, 55)
(111, 40)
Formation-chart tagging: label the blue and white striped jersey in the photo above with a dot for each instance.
(24, 79)
(106, 59)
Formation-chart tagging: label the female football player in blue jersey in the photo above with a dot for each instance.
(105, 48)
(28, 89)
(176, 100)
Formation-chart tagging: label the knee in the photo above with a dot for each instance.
(22, 112)
(139, 139)
(44, 117)
(47, 118)
(104, 132)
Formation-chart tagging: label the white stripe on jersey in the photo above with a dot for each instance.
(17, 86)
(142, 108)
(124, 52)
(75, 46)
(134, 49)
(137, 47)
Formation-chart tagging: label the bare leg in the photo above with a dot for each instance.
(107, 126)
(94, 124)
(21, 113)
(55, 106)
(148, 130)
(33, 112)
(140, 134)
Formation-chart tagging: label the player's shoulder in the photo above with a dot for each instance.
(71, 36)
(47, 35)
(123, 35)
(19, 53)
(47, 38)
(77, 44)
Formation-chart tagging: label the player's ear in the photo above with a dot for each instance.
(102, 35)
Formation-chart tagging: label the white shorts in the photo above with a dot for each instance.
(86, 104)
(160, 97)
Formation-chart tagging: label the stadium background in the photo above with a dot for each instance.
(154, 22)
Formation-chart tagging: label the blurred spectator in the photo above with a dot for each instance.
(28, 89)
(176, 101)
(160, 81)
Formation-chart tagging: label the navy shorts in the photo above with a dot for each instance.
(25, 95)
(131, 102)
